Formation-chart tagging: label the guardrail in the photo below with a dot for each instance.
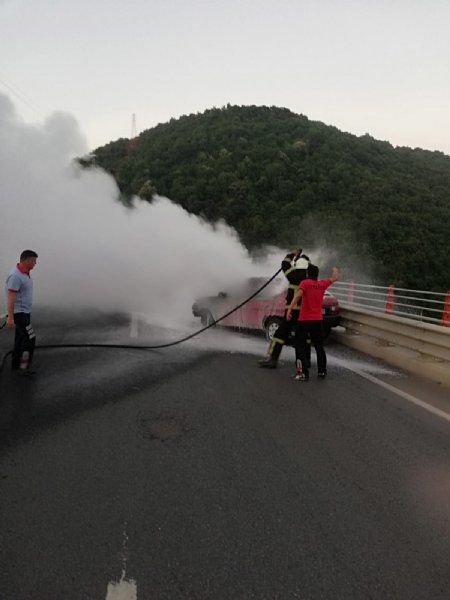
(417, 347)
(419, 305)
(428, 340)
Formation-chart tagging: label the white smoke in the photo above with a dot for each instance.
(93, 252)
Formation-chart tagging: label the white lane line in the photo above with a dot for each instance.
(405, 395)
(125, 589)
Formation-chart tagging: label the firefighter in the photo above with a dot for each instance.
(294, 266)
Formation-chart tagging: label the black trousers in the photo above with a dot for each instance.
(313, 329)
(24, 340)
(282, 335)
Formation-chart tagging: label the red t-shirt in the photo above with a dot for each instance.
(312, 299)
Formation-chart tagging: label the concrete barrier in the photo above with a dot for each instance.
(416, 347)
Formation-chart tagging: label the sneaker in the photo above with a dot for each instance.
(302, 377)
(321, 375)
(267, 363)
(298, 373)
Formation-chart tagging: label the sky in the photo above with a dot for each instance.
(364, 66)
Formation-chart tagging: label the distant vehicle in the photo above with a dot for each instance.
(262, 313)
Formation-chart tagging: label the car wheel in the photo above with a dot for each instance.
(206, 318)
(271, 326)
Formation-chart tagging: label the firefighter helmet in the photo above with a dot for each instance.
(301, 262)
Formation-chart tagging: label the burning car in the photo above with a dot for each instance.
(262, 313)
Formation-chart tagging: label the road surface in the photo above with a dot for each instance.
(189, 473)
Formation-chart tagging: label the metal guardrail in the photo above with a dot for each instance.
(426, 339)
(419, 305)
(409, 329)
(418, 347)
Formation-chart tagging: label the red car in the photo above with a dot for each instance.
(262, 313)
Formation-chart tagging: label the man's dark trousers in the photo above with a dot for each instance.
(24, 339)
(314, 329)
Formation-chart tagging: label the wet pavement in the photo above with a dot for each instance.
(190, 473)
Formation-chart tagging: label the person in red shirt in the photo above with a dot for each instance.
(311, 292)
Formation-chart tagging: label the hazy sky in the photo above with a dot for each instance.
(365, 66)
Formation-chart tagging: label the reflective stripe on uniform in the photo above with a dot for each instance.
(273, 344)
(30, 331)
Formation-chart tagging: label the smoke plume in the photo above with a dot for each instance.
(154, 259)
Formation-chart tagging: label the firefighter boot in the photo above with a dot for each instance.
(272, 359)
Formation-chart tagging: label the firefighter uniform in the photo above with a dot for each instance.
(294, 266)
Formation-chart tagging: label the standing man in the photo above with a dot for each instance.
(294, 266)
(19, 299)
(311, 292)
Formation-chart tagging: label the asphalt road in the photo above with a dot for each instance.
(191, 473)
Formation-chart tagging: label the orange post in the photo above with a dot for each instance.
(445, 320)
(389, 300)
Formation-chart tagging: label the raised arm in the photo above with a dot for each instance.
(286, 263)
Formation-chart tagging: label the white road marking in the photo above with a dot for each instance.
(432, 409)
(125, 589)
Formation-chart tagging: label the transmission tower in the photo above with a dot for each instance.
(133, 127)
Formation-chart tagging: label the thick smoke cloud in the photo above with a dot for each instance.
(93, 252)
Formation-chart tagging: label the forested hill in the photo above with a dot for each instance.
(280, 178)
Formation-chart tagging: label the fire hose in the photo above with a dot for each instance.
(153, 347)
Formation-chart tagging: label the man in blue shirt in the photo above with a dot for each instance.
(19, 300)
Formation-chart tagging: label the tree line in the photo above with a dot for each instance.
(279, 178)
